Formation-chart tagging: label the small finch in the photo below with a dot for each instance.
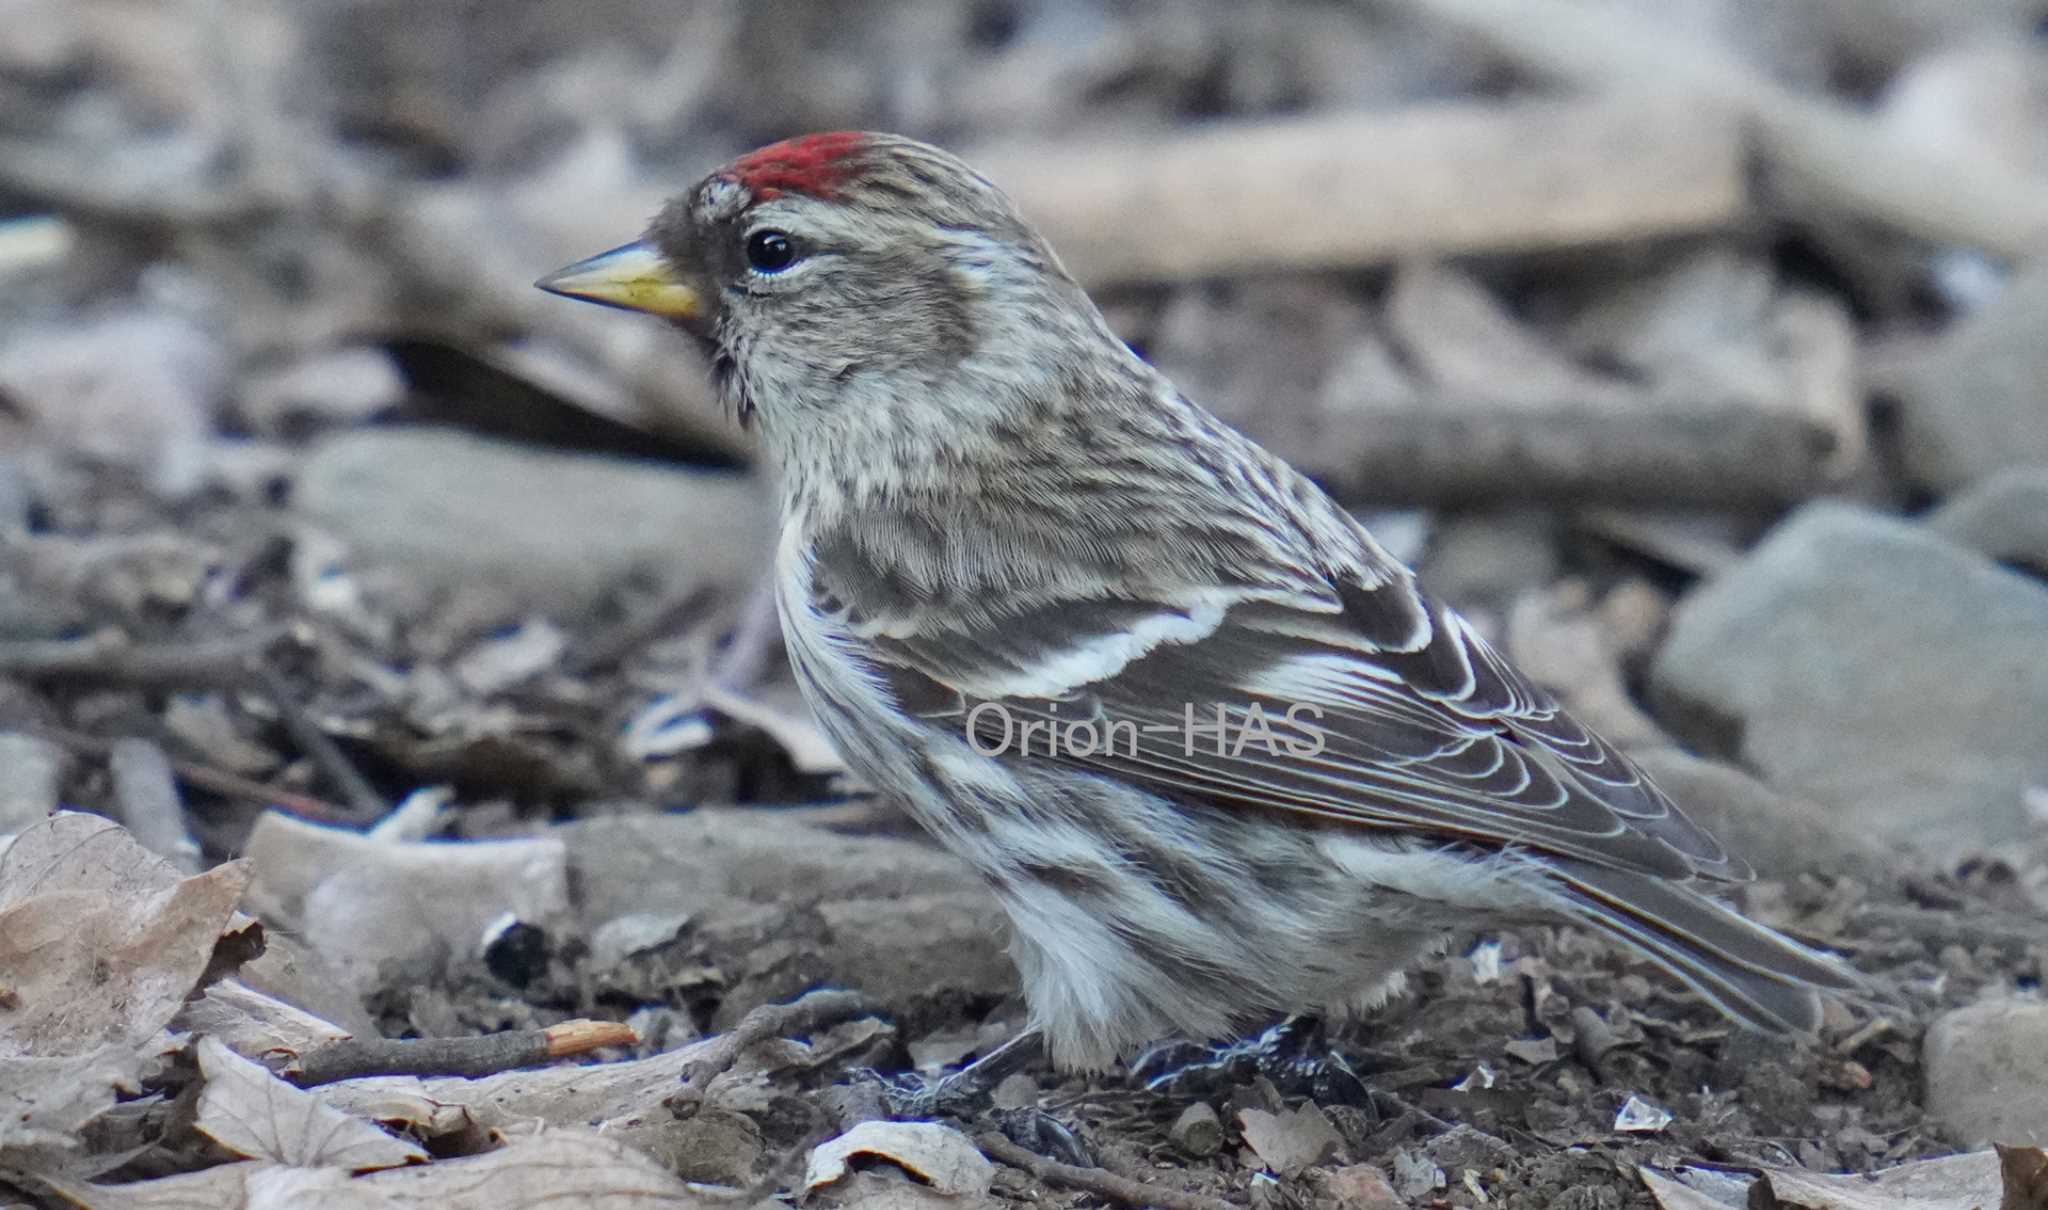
(1209, 745)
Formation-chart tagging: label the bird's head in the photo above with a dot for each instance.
(861, 296)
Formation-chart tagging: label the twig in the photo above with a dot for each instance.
(457, 1056)
(1592, 1038)
(1724, 456)
(214, 781)
(673, 614)
(1406, 1115)
(227, 664)
(1439, 178)
(234, 785)
(1873, 1029)
(1949, 194)
(361, 796)
(806, 1013)
(216, 663)
(1100, 1182)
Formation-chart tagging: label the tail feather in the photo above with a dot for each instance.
(1756, 976)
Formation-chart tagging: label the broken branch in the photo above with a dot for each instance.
(1426, 179)
(1098, 1181)
(483, 1056)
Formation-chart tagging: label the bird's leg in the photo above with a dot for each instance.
(1294, 1053)
(974, 1083)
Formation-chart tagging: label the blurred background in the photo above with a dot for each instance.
(1698, 349)
(1579, 300)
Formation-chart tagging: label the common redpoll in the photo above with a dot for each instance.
(1206, 741)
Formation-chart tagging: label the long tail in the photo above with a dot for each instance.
(1759, 978)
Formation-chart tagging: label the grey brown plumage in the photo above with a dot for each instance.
(994, 515)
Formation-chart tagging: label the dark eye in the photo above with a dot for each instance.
(770, 251)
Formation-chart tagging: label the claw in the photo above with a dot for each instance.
(1036, 1130)
(962, 1093)
(909, 1096)
(956, 1095)
(1294, 1054)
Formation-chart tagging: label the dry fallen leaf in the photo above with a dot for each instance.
(501, 661)
(786, 720)
(543, 1172)
(1674, 1194)
(894, 1191)
(1289, 1142)
(45, 1103)
(73, 851)
(254, 1023)
(677, 722)
(397, 1101)
(2025, 1174)
(1955, 1182)
(102, 940)
(244, 1186)
(253, 1113)
(1363, 1187)
(607, 1096)
(2007, 1179)
(941, 1156)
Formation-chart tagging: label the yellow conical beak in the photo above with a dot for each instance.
(633, 277)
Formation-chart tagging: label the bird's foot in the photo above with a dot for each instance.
(1295, 1054)
(966, 1093)
(959, 1095)
(1036, 1130)
(911, 1096)
(962, 1092)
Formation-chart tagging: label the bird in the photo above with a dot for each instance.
(1213, 750)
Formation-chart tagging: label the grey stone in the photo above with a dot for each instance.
(1779, 835)
(1874, 667)
(1978, 401)
(1987, 1073)
(2005, 516)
